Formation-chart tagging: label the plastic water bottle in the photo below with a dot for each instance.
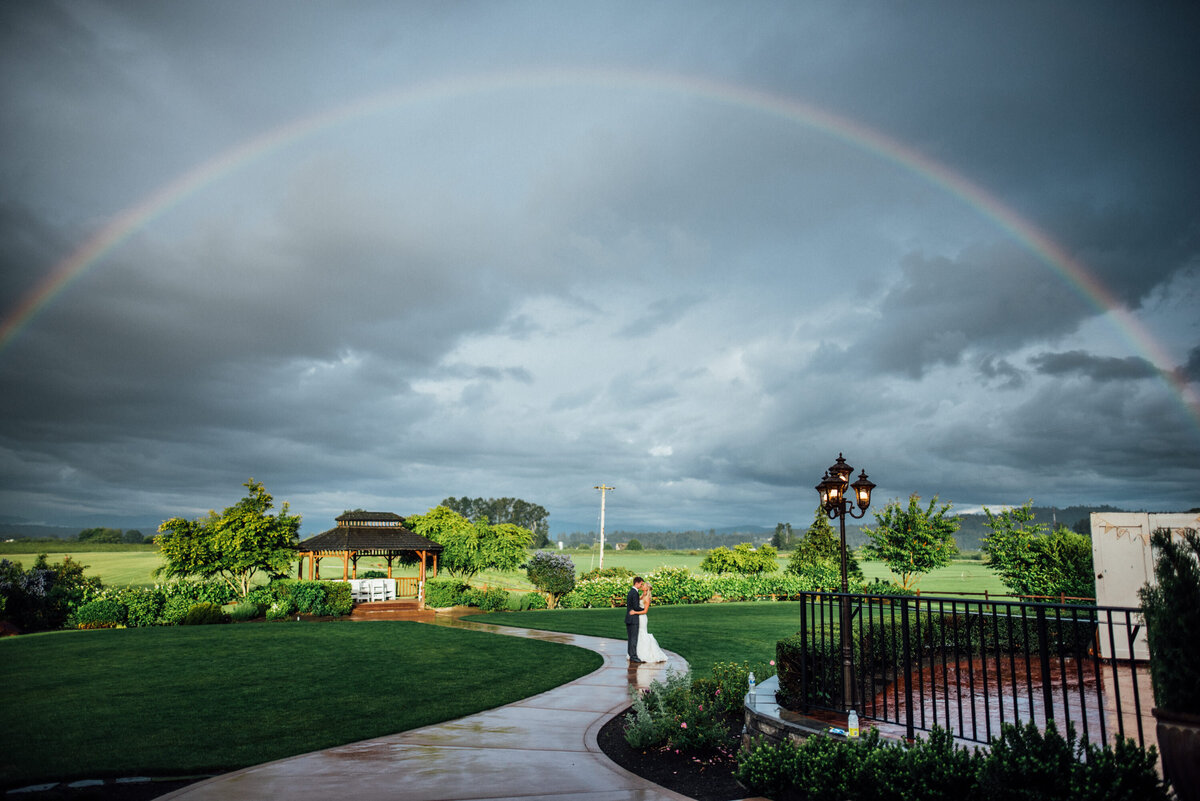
(852, 725)
(752, 684)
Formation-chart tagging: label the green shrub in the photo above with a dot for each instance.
(308, 596)
(203, 614)
(281, 609)
(45, 596)
(1029, 764)
(213, 592)
(533, 600)
(102, 613)
(743, 558)
(338, 599)
(1172, 610)
(618, 572)
(730, 682)
(175, 609)
(440, 593)
(1023, 763)
(656, 708)
(143, 604)
(492, 599)
(552, 573)
(369, 574)
(880, 587)
(243, 611)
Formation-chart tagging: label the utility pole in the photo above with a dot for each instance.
(603, 489)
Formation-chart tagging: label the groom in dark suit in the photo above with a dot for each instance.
(633, 608)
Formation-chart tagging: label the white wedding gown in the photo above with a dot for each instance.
(647, 646)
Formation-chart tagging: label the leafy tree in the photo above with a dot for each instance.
(819, 548)
(634, 545)
(100, 535)
(505, 510)
(1031, 561)
(912, 541)
(232, 546)
(743, 558)
(783, 538)
(553, 574)
(133, 537)
(471, 547)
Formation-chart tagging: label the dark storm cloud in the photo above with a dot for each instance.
(1097, 368)
(1191, 370)
(988, 297)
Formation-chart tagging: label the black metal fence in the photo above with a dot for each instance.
(970, 666)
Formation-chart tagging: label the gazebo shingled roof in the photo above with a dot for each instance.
(367, 534)
(354, 536)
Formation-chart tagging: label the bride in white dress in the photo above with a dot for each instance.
(647, 646)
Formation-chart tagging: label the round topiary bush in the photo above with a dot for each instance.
(102, 613)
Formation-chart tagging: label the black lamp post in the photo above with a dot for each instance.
(834, 487)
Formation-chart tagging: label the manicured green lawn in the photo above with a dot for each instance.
(206, 699)
(702, 634)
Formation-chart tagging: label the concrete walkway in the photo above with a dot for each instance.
(543, 747)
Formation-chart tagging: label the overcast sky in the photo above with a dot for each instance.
(377, 254)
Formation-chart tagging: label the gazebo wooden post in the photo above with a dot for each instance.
(345, 565)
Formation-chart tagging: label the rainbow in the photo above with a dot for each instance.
(849, 131)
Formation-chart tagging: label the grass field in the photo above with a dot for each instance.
(127, 565)
(206, 699)
(702, 634)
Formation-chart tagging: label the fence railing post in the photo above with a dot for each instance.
(909, 732)
(804, 638)
(1044, 653)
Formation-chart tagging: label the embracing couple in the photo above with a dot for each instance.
(642, 645)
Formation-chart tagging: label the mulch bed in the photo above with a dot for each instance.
(705, 777)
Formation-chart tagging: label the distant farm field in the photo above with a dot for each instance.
(129, 565)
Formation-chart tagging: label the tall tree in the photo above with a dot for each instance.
(1031, 560)
(821, 546)
(505, 510)
(472, 547)
(232, 546)
(914, 540)
(783, 537)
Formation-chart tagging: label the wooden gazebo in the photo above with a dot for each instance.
(367, 534)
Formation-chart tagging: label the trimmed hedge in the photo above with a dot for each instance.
(441, 593)
(102, 613)
(1024, 763)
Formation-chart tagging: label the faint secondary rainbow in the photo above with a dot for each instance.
(857, 135)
